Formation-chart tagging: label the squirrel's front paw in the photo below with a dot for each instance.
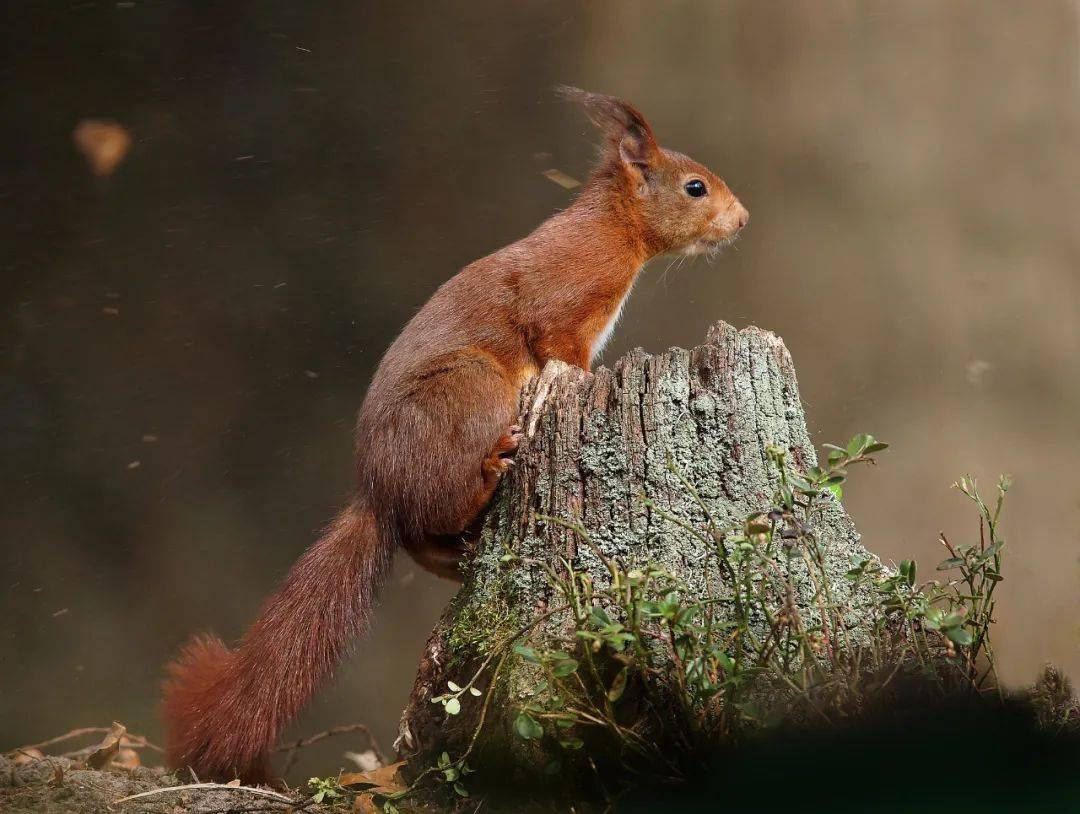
(499, 459)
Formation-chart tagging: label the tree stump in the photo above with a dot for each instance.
(601, 450)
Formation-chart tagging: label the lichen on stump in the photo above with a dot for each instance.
(605, 451)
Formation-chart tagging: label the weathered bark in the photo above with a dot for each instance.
(595, 446)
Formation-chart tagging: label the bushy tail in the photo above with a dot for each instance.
(223, 709)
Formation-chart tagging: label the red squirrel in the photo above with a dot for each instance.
(436, 429)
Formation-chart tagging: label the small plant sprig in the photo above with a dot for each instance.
(980, 571)
(325, 789)
(451, 701)
(452, 772)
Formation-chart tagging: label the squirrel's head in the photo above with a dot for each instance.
(679, 204)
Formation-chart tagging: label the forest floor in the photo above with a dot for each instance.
(56, 785)
(951, 755)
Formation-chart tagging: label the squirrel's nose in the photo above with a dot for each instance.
(742, 216)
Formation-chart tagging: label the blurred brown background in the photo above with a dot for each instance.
(302, 177)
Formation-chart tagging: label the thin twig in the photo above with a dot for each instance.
(138, 741)
(273, 795)
(292, 748)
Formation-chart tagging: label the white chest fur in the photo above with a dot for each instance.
(604, 335)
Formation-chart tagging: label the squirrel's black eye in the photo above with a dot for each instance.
(695, 188)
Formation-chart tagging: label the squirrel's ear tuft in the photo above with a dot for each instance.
(621, 123)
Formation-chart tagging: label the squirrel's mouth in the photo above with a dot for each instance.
(708, 246)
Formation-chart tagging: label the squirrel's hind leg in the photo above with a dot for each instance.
(441, 553)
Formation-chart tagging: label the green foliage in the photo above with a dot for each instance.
(452, 773)
(325, 789)
(662, 671)
(451, 701)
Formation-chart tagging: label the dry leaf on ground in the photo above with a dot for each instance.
(384, 780)
(108, 749)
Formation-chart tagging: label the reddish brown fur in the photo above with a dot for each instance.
(224, 709)
(433, 432)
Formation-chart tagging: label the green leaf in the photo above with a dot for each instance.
(725, 661)
(453, 706)
(857, 444)
(800, 482)
(526, 727)
(959, 635)
(450, 774)
(460, 790)
(527, 653)
(564, 668)
(599, 616)
(572, 743)
(444, 760)
(857, 572)
(474, 691)
(933, 617)
(907, 570)
(954, 619)
(651, 609)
